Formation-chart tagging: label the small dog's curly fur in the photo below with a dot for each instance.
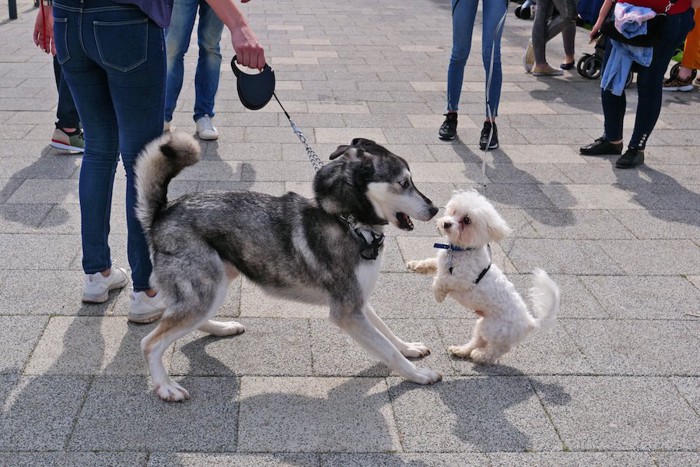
(464, 272)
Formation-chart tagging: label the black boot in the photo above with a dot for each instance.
(601, 147)
(489, 136)
(448, 129)
(630, 159)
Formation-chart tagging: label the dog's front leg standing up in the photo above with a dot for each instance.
(351, 318)
(407, 349)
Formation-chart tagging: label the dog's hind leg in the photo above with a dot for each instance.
(407, 349)
(169, 329)
(223, 328)
(351, 319)
(465, 351)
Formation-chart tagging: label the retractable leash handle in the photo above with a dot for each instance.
(256, 90)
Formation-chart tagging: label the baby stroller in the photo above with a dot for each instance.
(526, 10)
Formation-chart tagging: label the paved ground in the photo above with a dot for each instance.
(614, 383)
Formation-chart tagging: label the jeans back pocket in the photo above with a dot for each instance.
(122, 45)
(60, 37)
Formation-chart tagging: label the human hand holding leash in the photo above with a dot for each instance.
(43, 29)
(246, 46)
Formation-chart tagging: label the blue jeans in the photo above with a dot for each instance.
(649, 85)
(463, 17)
(66, 113)
(113, 59)
(177, 39)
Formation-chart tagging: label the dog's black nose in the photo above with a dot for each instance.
(447, 225)
(433, 211)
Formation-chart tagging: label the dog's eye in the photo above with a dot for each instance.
(466, 220)
(404, 184)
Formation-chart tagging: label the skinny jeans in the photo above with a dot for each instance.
(463, 19)
(649, 85)
(113, 59)
(544, 27)
(177, 39)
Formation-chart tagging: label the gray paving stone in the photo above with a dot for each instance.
(645, 297)
(207, 422)
(73, 459)
(316, 415)
(544, 352)
(269, 347)
(256, 303)
(90, 346)
(670, 257)
(622, 414)
(657, 224)
(689, 388)
(19, 335)
(560, 256)
(586, 224)
(39, 412)
(404, 459)
(336, 354)
(185, 459)
(676, 459)
(571, 459)
(36, 251)
(525, 173)
(628, 347)
(473, 414)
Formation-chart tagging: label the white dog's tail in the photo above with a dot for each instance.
(544, 296)
(159, 162)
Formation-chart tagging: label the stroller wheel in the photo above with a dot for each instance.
(579, 64)
(592, 67)
(676, 68)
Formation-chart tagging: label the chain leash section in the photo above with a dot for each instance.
(316, 161)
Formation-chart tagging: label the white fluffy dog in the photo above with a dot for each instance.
(465, 273)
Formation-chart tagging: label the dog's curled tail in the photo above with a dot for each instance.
(545, 297)
(160, 161)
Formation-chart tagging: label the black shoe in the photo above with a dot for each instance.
(601, 147)
(489, 137)
(630, 159)
(448, 129)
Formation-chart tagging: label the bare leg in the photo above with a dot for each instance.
(407, 349)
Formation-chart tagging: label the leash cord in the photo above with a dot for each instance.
(316, 161)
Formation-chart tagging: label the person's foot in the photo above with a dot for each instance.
(601, 147)
(97, 286)
(206, 129)
(546, 70)
(567, 65)
(72, 141)
(145, 309)
(448, 129)
(529, 57)
(679, 84)
(489, 136)
(630, 159)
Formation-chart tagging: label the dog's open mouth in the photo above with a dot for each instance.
(404, 222)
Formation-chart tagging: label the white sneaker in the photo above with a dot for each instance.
(145, 309)
(97, 286)
(166, 127)
(206, 129)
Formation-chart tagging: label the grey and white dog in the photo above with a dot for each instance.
(323, 251)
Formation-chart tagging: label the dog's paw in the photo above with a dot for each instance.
(222, 328)
(440, 294)
(426, 266)
(480, 356)
(412, 265)
(172, 392)
(425, 376)
(415, 350)
(461, 351)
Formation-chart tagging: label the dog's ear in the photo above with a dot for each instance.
(351, 153)
(497, 226)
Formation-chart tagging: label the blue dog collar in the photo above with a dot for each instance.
(444, 246)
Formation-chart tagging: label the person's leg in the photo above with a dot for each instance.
(206, 80)
(66, 113)
(650, 79)
(177, 41)
(492, 31)
(566, 17)
(539, 29)
(463, 16)
(568, 35)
